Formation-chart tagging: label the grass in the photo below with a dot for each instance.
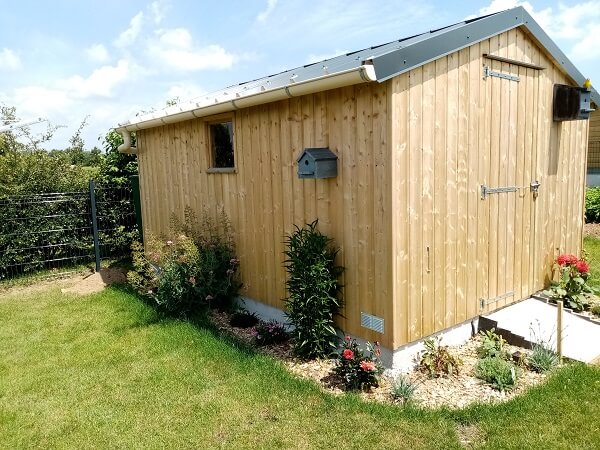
(591, 246)
(106, 371)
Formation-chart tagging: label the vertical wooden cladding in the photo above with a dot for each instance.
(453, 131)
(265, 198)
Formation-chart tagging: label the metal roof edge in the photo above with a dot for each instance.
(415, 55)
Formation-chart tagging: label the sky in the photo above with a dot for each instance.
(66, 60)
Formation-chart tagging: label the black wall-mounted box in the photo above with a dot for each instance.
(571, 103)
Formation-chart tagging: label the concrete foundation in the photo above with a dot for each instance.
(400, 360)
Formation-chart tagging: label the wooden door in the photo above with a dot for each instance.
(510, 191)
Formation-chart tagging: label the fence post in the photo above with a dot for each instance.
(95, 224)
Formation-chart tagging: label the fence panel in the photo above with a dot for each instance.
(48, 231)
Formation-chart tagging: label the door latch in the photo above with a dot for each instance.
(535, 187)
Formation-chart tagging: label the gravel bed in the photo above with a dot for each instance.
(591, 229)
(453, 392)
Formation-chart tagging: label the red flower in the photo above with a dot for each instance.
(566, 259)
(368, 366)
(347, 354)
(347, 337)
(582, 266)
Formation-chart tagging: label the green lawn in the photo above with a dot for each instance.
(592, 248)
(106, 371)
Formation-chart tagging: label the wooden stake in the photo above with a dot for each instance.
(559, 327)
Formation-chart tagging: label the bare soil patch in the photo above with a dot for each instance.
(456, 391)
(97, 281)
(62, 281)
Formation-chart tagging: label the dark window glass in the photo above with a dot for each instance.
(222, 144)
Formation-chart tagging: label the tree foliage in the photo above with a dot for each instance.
(116, 167)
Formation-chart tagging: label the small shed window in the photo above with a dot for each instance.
(221, 142)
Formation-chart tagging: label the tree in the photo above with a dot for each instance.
(21, 139)
(75, 151)
(26, 168)
(116, 167)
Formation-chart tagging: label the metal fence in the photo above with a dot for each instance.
(49, 231)
(593, 160)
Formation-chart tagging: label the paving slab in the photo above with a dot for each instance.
(536, 321)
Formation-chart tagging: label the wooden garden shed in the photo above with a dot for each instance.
(454, 188)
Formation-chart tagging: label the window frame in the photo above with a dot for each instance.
(212, 157)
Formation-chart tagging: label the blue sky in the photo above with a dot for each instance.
(67, 59)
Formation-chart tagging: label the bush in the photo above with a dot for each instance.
(592, 204)
(542, 358)
(501, 374)
(271, 332)
(403, 390)
(595, 310)
(492, 345)
(167, 273)
(437, 361)
(195, 267)
(357, 369)
(243, 319)
(313, 291)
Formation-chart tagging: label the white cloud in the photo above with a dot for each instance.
(312, 58)
(39, 100)
(157, 10)
(100, 83)
(9, 60)
(97, 53)
(175, 50)
(588, 48)
(129, 36)
(264, 15)
(184, 91)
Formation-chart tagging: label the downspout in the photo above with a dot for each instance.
(126, 147)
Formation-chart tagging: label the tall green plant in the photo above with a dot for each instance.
(314, 291)
(592, 204)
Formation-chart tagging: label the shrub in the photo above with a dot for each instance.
(595, 310)
(571, 286)
(542, 358)
(403, 390)
(592, 204)
(501, 374)
(167, 273)
(271, 332)
(436, 360)
(196, 266)
(313, 291)
(492, 345)
(357, 369)
(243, 319)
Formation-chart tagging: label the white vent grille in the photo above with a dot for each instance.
(371, 322)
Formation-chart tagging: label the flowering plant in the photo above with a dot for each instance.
(358, 369)
(271, 332)
(571, 286)
(194, 265)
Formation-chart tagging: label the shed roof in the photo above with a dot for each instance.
(378, 63)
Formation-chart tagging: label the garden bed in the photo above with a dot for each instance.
(456, 391)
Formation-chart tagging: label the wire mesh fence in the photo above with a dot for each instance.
(56, 230)
(593, 161)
